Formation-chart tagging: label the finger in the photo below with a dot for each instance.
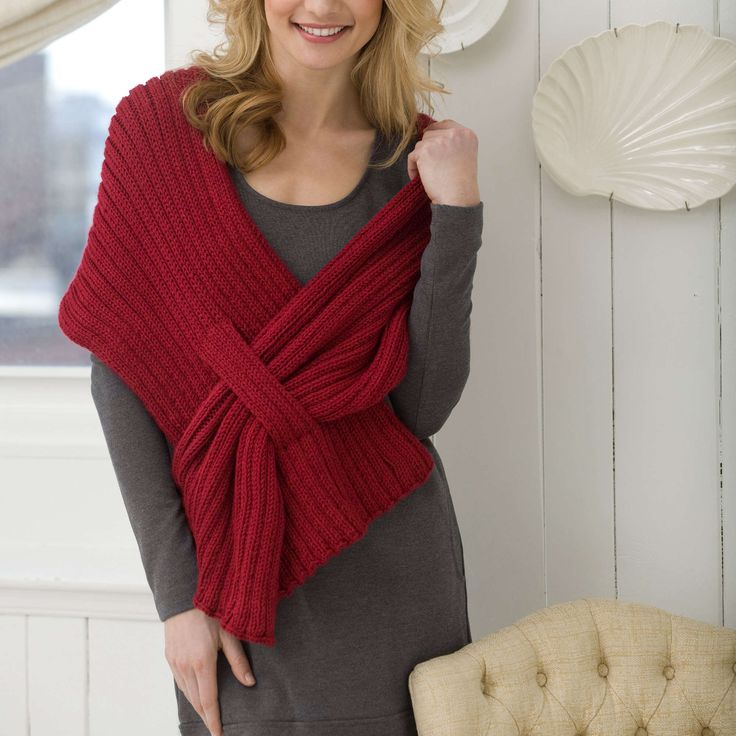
(411, 165)
(232, 648)
(181, 684)
(206, 673)
(192, 693)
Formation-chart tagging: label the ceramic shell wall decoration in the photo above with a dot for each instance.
(642, 114)
(466, 21)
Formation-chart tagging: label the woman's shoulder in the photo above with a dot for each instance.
(159, 88)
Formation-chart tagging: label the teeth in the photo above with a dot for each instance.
(322, 31)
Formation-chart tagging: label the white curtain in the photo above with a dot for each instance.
(28, 25)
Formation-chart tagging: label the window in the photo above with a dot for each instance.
(55, 108)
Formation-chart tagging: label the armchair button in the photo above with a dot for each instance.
(541, 679)
(669, 671)
(641, 731)
(603, 669)
(707, 732)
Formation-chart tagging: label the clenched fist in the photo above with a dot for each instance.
(446, 158)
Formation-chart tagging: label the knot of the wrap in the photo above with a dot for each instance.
(235, 361)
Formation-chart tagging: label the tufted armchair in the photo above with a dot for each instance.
(592, 666)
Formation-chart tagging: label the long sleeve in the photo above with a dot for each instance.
(439, 321)
(141, 460)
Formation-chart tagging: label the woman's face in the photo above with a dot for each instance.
(358, 19)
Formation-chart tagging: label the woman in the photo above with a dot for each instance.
(315, 110)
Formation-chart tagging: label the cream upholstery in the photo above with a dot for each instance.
(593, 666)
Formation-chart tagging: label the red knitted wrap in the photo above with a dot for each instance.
(272, 393)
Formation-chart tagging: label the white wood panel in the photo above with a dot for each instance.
(13, 693)
(48, 412)
(727, 283)
(667, 493)
(575, 276)
(66, 520)
(75, 598)
(667, 490)
(57, 676)
(131, 686)
(490, 445)
(187, 29)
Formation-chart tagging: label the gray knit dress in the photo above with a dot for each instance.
(348, 638)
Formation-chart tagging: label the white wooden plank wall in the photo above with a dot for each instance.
(584, 457)
(726, 14)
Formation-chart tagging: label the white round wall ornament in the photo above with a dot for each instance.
(466, 21)
(645, 115)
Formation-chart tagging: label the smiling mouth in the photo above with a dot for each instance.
(322, 31)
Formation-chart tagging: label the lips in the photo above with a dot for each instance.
(318, 38)
(315, 25)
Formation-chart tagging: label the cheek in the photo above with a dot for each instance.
(367, 13)
(280, 10)
(366, 9)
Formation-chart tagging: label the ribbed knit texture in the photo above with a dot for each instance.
(271, 392)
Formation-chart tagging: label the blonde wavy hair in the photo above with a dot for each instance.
(241, 88)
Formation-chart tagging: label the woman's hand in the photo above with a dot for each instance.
(446, 158)
(192, 641)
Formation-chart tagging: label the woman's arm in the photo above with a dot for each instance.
(142, 462)
(439, 321)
